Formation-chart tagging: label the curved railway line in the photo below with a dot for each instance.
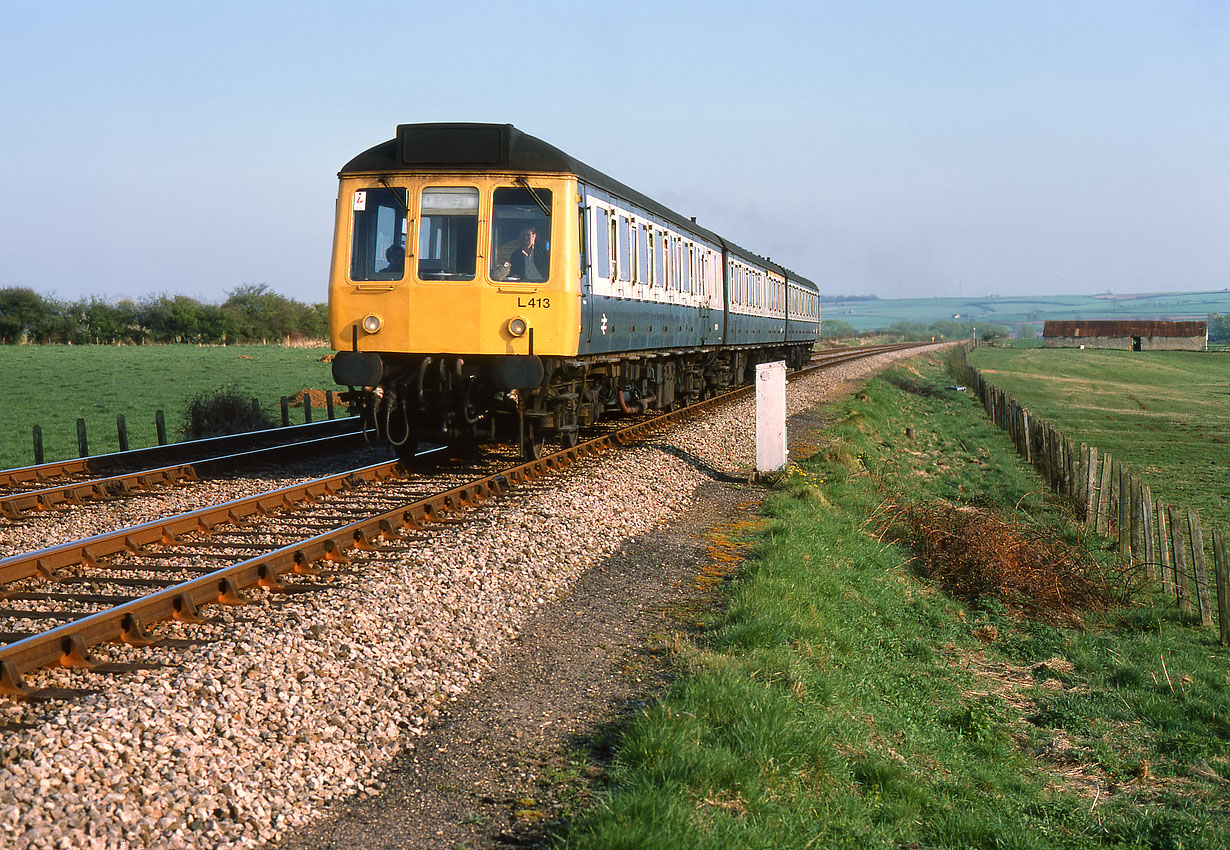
(59, 602)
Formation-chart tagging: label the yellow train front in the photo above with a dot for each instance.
(466, 304)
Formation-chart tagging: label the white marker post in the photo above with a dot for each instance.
(771, 417)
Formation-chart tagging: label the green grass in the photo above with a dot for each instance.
(839, 701)
(1033, 310)
(53, 385)
(1166, 413)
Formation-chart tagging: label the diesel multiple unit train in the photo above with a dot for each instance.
(486, 286)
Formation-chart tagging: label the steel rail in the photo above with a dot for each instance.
(20, 505)
(69, 644)
(173, 454)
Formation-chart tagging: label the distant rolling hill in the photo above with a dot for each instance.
(866, 315)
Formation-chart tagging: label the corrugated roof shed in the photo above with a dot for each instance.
(1080, 328)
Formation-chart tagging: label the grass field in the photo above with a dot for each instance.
(1014, 310)
(835, 699)
(53, 385)
(1166, 413)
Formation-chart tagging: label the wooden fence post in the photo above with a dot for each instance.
(1163, 550)
(1222, 572)
(121, 426)
(1067, 479)
(1198, 563)
(1071, 472)
(285, 411)
(1125, 509)
(1146, 518)
(1091, 487)
(1061, 464)
(1053, 456)
(1080, 496)
(160, 423)
(1041, 461)
(83, 446)
(1178, 550)
(1135, 541)
(1112, 519)
(1103, 526)
(307, 409)
(38, 445)
(329, 403)
(1028, 453)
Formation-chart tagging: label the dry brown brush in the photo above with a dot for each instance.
(975, 554)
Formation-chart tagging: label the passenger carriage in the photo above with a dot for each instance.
(487, 286)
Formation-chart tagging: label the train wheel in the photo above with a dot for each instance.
(534, 443)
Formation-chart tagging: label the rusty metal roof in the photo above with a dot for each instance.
(1079, 328)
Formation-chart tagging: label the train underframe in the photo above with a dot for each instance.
(466, 401)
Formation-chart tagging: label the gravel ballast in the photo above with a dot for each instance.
(305, 701)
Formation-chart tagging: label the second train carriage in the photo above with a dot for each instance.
(487, 286)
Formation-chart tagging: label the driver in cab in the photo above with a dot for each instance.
(529, 260)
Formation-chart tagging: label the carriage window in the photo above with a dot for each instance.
(642, 253)
(659, 266)
(521, 234)
(634, 241)
(448, 233)
(602, 241)
(624, 265)
(378, 235)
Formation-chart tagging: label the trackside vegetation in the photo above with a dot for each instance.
(836, 698)
(250, 313)
(53, 385)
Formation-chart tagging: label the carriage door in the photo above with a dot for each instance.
(584, 229)
(704, 317)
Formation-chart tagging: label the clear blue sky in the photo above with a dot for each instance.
(906, 149)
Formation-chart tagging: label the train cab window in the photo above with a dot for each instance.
(521, 234)
(378, 234)
(448, 233)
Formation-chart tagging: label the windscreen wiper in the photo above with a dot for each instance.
(545, 210)
(384, 181)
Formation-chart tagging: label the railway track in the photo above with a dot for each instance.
(68, 483)
(58, 603)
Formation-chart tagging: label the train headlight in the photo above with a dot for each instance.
(517, 326)
(372, 323)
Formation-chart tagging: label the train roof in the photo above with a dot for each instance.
(502, 147)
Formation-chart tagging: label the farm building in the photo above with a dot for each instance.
(1129, 335)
